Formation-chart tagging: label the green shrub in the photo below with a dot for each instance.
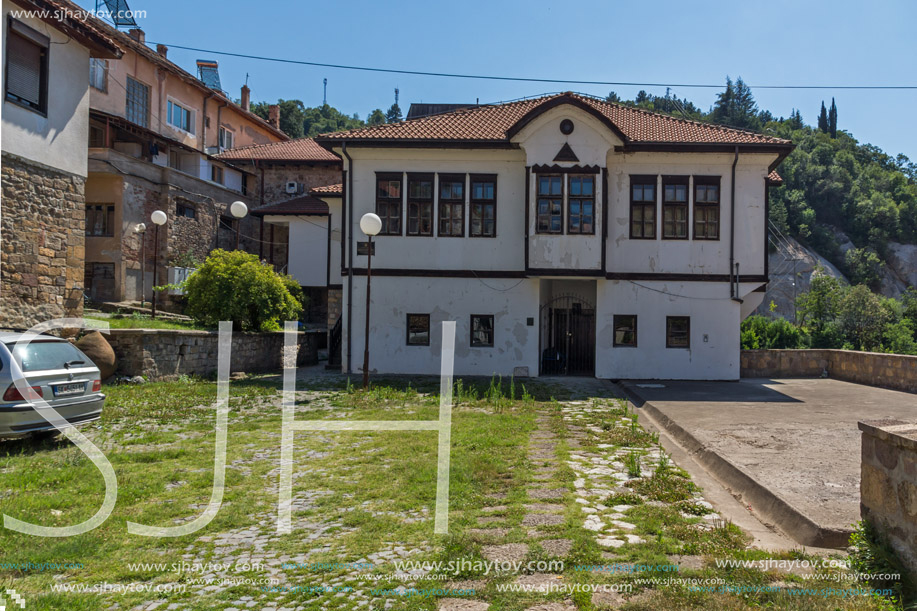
(237, 286)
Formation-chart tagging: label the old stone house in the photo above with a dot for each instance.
(45, 122)
(155, 135)
(297, 207)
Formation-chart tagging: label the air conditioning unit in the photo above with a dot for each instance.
(294, 187)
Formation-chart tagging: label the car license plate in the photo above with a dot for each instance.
(62, 390)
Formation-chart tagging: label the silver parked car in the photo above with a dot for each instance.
(56, 371)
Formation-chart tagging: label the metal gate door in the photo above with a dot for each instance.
(567, 337)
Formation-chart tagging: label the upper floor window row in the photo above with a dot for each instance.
(569, 197)
(675, 207)
(432, 201)
(137, 105)
(27, 67)
(180, 117)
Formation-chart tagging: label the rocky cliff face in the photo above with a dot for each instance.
(902, 262)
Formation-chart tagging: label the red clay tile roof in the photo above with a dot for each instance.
(497, 124)
(305, 205)
(774, 178)
(300, 149)
(329, 190)
(77, 23)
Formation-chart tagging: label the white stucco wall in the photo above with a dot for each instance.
(59, 139)
(511, 302)
(308, 248)
(334, 261)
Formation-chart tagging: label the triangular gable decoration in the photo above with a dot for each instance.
(566, 153)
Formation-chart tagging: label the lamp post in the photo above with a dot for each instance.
(159, 218)
(238, 210)
(141, 229)
(371, 225)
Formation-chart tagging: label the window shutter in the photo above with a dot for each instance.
(23, 76)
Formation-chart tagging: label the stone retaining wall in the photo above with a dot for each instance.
(888, 484)
(894, 371)
(166, 353)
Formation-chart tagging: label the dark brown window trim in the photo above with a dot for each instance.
(390, 176)
(707, 181)
(493, 331)
(571, 198)
(407, 327)
(462, 178)
(614, 330)
(473, 178)
(556, 169)
(676, 180)
(538, 196)
(644, 179)
(668, 321)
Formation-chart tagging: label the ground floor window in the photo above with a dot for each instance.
(677, 332)
(482, 330)
(100, 220)
(418, 330)
(625, 330)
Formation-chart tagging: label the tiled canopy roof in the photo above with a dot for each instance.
(774, 178)
(498, 123)
(300, 149)
(305, 205)
(329, 190)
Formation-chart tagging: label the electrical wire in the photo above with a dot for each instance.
(649, 288)
(518, 78)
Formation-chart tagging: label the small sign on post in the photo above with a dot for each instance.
(363, 248)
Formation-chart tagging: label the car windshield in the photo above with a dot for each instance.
(42, 355)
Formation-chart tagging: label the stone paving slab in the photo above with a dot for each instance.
(508, 552)
(462, 604)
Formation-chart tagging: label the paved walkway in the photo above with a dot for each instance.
(798, 438)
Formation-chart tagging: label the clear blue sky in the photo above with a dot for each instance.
(785, 42)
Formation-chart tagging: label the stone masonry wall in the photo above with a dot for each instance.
(43, 219)
(888, 484)
(894, 371)
(166, 353)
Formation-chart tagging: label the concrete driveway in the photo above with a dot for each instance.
(789, 448)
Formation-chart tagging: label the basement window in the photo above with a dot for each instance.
(482, 330)
(418, 330)
(185, 210)
(625, 327)
(677, 332)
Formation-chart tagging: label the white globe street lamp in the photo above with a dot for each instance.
(371, 225)
(238, 210)
(159, 218)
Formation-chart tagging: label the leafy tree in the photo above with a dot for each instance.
(376, 117)
(863, 265)
(818, 308)
(832, 120)
(863, 316)
(236, 286)
(823, 119)
(325, 119)
(898, 337)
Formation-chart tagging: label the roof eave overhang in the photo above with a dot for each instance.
(270, 213)
(97, 44)
(333, 143)
(706, 147)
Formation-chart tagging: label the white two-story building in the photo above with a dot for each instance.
(563, 234)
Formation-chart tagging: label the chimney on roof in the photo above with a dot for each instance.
(273, 115)
(245, 102)
(162, 50)
(137, 34)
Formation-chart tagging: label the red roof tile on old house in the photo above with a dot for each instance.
(305, 206)
(300, 149)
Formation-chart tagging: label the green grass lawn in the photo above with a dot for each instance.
(358, 497)
(143, 321)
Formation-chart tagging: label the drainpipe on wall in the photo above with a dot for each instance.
(204, 125)
(349, 203)
(733, 283)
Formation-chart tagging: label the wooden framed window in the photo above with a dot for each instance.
(216, 174)
(100, 220)
(418, 330)
(625, 328)
(550, 204)
(452, 205)
(706, 207)
(98, 74)
(581, 203)
(482, 331)
(27, 67)
(137, 106)
(643, 207)
(420, 204)
(677, 332)
(388, 202)
(483, 206)
(185, 210)
(675, 207)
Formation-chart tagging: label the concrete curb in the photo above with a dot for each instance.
(767, 504)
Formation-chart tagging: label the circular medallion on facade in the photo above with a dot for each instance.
(566, 127)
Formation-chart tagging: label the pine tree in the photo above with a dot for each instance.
(823, 119)
(832, 119)
(394, 114)
(722, 108)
